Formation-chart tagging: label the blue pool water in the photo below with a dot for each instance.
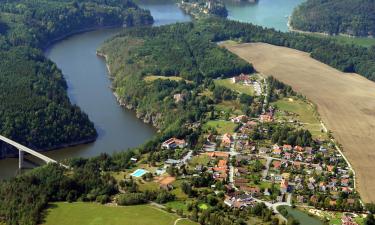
(139, 173)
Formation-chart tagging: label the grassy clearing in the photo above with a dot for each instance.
(361, 41)
(177, 205)
(152, 78)
(297, 109)
(94, 214)
(235, 87)
(221, 126)
(231, 107)
(180, 195)
(200, 160)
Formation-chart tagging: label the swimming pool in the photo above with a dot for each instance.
(139, 173)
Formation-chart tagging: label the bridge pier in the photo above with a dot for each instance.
(20, 158)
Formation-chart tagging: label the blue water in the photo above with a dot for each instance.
(267, 13)
(139, 173)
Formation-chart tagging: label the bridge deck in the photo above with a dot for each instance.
(30, 151)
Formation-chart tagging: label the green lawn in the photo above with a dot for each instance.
(221, 126)
(200, 160)
(301, 111)
(235, 87)
(231, 107)
(177, 205)
(94, 214)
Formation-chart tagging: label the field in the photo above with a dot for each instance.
(235, 87)
(345, 102)
(221, 126)
(302, 111)
(94, 214)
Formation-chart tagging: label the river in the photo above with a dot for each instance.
(89, 88)
(89, 85)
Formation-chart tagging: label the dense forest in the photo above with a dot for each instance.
(34, 107)
(336, 17)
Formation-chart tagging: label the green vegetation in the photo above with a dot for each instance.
(345, 40)
(336, 17)
(221, 126)
(300, 110)
(153, 78)
(92, 214)
(249, 90)
(34, 107)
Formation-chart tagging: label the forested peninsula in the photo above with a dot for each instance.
(356, 18)
(34, 107)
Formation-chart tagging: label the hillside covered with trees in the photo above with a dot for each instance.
(336, 17)
(34, 107)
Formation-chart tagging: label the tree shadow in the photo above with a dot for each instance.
(45, 212)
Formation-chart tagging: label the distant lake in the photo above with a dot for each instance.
(267, 13)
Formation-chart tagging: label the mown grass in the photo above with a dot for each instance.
(235, 87)
(221, 126)
(177, 205)
(303, 112)
(95, 214)
(200, 160)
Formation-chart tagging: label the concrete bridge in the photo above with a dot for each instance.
(22, 149)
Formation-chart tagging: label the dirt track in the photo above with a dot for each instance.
(346, 102)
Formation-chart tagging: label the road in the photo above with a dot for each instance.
(265, 171)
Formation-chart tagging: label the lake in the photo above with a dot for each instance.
(267, 13)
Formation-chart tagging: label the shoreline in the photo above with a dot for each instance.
(8, 152)
(123, 104)
(292, 29)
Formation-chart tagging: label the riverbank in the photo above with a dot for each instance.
(146, 118)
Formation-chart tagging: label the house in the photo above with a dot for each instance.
(299, 149)
(173, 143)
(330, 168)
(276, 164)
(322, 186)
(276, 151)
(300, 199)
(240, 119)
(299, 157)
(287, 148)
(134, 160)
(242, 78)
(309, 150)
(172, 162)
(227, 139)
(216, 154)
(287, 155)
(345, 182)
(266, 118)
(314, 199)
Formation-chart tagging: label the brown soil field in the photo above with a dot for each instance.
(346, 102)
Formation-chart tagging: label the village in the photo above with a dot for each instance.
(248, 171)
